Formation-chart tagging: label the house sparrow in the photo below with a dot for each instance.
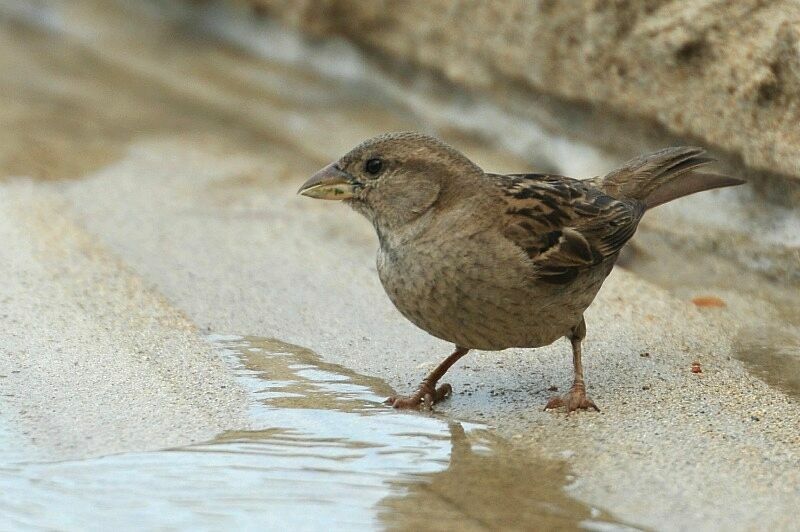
(489, 261)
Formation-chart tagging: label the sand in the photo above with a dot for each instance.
(92, 360)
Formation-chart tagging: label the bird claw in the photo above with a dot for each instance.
(574, 400)
(423, 399)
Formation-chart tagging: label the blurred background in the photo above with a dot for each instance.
(177, 131)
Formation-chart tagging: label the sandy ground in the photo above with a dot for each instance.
(244, 256)
(92, 360)
(111, 280)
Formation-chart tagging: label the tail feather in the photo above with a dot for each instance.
(689, 183)
(663, 176)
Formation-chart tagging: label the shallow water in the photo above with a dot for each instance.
(323, 452)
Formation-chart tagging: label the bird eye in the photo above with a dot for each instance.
(373, 166)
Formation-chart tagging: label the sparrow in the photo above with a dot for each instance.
(490, 261)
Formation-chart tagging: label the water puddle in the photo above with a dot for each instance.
(773, 355)
(325, 453)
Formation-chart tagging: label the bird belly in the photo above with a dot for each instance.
(477, 300)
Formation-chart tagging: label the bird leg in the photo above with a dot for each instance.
(428, 393)
(575, 398)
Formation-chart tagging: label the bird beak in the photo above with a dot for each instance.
(329, 183)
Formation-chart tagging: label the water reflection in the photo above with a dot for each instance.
(325, 453)
(490, 486)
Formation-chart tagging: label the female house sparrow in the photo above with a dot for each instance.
(490, 261)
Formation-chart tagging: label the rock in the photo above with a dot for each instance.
(726, 73)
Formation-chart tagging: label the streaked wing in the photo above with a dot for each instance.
(564, 225)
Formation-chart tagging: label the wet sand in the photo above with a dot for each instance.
(113, 279)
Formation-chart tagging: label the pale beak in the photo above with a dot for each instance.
(329, 183)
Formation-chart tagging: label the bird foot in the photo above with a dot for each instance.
(574, 399)
(424, 398)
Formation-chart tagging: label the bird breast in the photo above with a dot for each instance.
(478, 291)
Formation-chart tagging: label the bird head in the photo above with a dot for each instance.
(392, 179)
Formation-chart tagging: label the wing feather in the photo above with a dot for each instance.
(564, 225)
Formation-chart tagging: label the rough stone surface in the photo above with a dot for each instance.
(725, 72)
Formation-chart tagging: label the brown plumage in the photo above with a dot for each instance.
(489, 261)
